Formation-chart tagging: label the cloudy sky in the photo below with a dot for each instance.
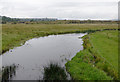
(68, 9)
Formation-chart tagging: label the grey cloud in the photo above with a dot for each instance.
(79, 4)
(72, 9)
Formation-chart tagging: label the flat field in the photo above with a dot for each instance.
(15, 34)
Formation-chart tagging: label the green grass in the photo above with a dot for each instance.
(84, 71)
(98, 60)
(15, 34)
(109, 49)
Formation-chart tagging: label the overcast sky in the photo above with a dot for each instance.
(69, 9)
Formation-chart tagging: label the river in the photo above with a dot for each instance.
(39, 52)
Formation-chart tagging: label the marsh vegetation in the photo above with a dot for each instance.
(54, 72)
(8, 72)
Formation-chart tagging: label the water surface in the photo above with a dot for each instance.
(39, 52)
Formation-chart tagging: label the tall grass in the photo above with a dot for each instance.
(54, 72)
(8, 72)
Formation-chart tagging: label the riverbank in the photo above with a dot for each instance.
(98, 60)
(14, 35)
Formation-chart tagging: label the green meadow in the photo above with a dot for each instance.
(98, 60)
(15, 34)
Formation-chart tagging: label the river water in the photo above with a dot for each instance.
(39, 52)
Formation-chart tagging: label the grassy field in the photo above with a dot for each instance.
(98, 60)
(15, 34)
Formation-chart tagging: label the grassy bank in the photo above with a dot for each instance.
(98, 60)
(15, 34)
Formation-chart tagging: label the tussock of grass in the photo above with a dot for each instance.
(91, 65)
(54, 72)
(8, 72)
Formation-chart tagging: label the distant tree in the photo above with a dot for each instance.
(31, 20)
(3, 22)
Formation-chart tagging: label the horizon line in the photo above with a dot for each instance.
(58, 18)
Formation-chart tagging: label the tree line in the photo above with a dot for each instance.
(52, 21)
